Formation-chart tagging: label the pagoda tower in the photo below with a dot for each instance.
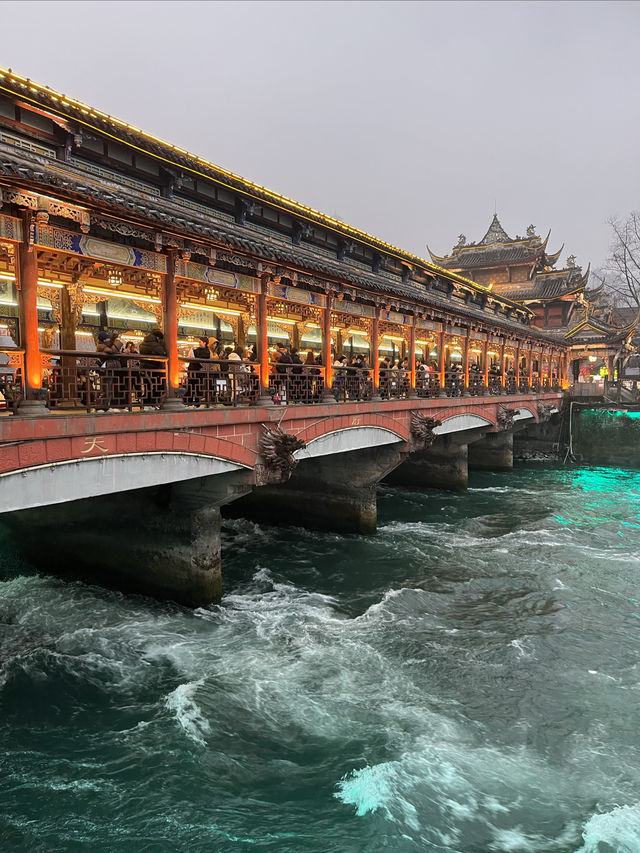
(521, 269)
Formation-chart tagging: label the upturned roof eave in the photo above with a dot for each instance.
(89, 117)
(149, 211)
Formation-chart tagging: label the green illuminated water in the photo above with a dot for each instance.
(467, 680)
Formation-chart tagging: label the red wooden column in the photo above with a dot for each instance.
(517, 367)
(564, 362)
(374, 352)
(326, 348)
(547, 372)
(170, 305)
(442, 365)
(412, 357)
(263, 340)
(28, 286)
(530, 364)
(485, 362)
(465, 356)
(503, 378)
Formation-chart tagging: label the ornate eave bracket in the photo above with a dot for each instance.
(44, 207)
(423, 430)
(277, 448)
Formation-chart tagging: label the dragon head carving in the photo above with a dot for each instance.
(277, 448)
(422, 429)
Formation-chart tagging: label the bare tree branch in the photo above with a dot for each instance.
(622, 270)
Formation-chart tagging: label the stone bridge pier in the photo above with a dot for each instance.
(335, 491)
(463, 442)
(162, 540)
(134, 501)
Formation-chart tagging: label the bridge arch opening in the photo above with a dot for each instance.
(73, 480)
(346, 440)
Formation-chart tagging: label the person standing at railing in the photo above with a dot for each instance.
(361, 378)
(297, 391)
(385, 377)
(403, 377)
(281, 366)
(108, 348)
(152, 377)
(237, 371)
(310, 374)
(196, 374)
(340, 378)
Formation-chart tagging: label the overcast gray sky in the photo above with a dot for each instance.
(409, 120)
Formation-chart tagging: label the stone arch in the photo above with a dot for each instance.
(523, 413)
(398, 427)
(459, 423)
(75, 479)
(347, 439)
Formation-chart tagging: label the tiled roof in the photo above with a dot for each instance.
(548, 286)
(67, 108)
(490, 256)
(122, 200)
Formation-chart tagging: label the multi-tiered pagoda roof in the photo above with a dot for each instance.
(497, 249)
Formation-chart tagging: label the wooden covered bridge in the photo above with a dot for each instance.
(105, 229)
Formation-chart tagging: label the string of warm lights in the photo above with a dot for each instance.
(62, 103)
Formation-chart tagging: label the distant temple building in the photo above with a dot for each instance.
(522, 270)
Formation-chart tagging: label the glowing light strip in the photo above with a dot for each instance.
(282, 320)
(208, 308)
(122, 294)
(316, 326)
(336, 224)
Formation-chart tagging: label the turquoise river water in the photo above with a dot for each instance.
(466, 680)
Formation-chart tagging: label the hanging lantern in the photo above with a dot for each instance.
(114, 277)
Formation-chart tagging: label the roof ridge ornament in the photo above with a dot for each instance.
(495, 233)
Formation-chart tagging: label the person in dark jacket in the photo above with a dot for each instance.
(108, 348)
(153, 372)
(197, 373)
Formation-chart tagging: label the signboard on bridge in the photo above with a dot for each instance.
(296, 294)
(219, 278)
(60, 240)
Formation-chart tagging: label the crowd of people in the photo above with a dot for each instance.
(214, 372)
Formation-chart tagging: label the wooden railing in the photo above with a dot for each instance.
(296, 383)
(395, 384)
(78, 380)
(428, 384)
(214, 382)
(11, 374)
(95, 382)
